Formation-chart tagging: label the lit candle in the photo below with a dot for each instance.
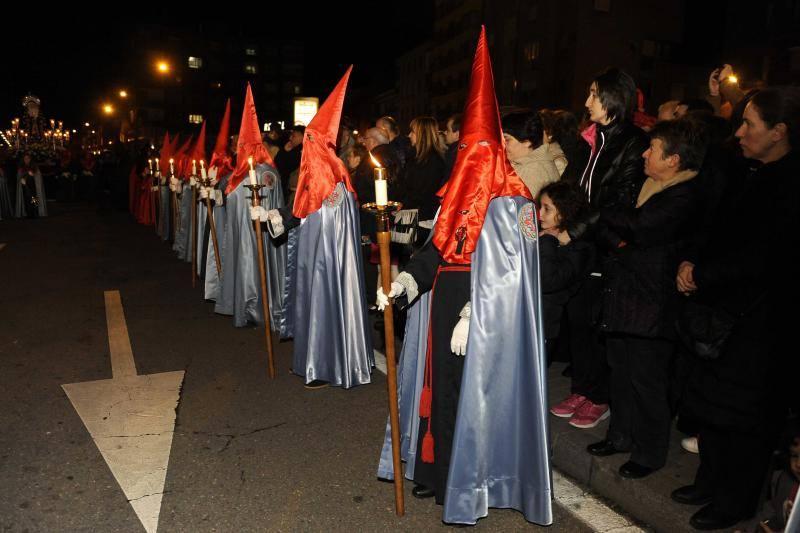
(381, 194)
(194, 167)
(203, 173)
(253, 180)
(171, 168)
(150, 164)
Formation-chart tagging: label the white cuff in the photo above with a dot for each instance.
(407, 280)
(219, 198)
(275, 225)
(466, 311)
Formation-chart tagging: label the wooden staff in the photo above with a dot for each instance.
(194, 236)
(384, 240)
(214, 236)
(262, 268)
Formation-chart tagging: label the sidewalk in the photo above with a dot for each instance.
(646, 500)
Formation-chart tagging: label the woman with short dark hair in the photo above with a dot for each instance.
(524, 134)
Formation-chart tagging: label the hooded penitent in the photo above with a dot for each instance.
(249, 145)
(220, 157)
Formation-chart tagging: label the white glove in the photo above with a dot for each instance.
(383, 299)
(154, 188)
(275, 225)
(192, 181)
(256, 212)
(458, 342)
(203, 193)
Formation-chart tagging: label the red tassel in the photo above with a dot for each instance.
(427, 448)
(425, 402)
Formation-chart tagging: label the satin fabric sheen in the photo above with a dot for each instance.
(212, 282)
(501, 454)
(164, 212)
(331, 340)
(182, 246)
(240, 290)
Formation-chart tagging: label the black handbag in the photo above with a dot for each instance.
(704, 329)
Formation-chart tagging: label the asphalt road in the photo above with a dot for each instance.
(248, 453)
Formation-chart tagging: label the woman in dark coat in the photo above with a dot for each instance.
(747, 269)
(639, 301)
(423, 174)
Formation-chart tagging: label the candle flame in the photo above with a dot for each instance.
(375, 162)
(250, 161)
(171, 160)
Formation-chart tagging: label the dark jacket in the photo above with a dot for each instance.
(614, 173)
(562, 270)
(403, 150)
(748, 268)
(449, 161)
(419, 181)
(577, 153)
(287, 162)
(645, 244)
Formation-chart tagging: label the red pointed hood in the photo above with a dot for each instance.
(481, 172)
(320, 167)
(199, 149)
(220, 157)
(163, 155)
(181, 157)
(249, 145)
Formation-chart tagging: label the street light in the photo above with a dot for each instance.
(108, 109)
(123, 94)
(86, 124)
(163, 67)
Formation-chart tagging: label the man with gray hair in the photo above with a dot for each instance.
(376, 140)
(399, 143)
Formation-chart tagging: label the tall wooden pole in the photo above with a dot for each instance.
(194, 236)
(214, 236)
(384, 241)
(262, 268)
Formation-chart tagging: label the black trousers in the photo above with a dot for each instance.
(733, 467)
(587, 352)
(640, 408)
(450, 293)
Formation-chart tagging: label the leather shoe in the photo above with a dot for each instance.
(707, 519)
(317, 384)
(633, 470)
(422, 492)
(604, 448)
(689, 495)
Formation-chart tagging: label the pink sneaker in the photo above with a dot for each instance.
(589, 415)
(568, 407)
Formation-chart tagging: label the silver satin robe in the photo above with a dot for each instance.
(501, 453)
(240, 291)
(326, 295)
(182, 245)
(164, 212)
(212, 281)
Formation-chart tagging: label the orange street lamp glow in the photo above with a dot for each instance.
(163, 67)
(108, 109)
(123, 94)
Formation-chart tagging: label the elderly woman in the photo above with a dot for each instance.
(746, 271)
(524, 133)
(639, 302)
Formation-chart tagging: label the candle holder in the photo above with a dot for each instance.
(262, 267)
(382, 213)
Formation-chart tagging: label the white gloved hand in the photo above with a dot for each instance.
(458, 342)
(275, 225)
(154, 188)
(255, 212)
(383, 299)
(203, 193)
(192, 181)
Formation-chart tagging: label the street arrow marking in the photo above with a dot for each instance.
(131, 419)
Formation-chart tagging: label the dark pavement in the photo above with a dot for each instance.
(248, 454)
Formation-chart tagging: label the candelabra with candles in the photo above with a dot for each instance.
(155, 189)
(205, 181)
(193, 183)
(255, 187)
(382, 208)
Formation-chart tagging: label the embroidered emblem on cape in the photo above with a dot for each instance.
(336, 197)
(268, 178)
(527, 221)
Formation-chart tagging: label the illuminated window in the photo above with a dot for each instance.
(532, 51)
(195, 119)
(250, 51)
(195, 62)
(250, 69)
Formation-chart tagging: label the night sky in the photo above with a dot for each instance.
(71, 59)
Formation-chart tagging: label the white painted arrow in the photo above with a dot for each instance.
(131, 419)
